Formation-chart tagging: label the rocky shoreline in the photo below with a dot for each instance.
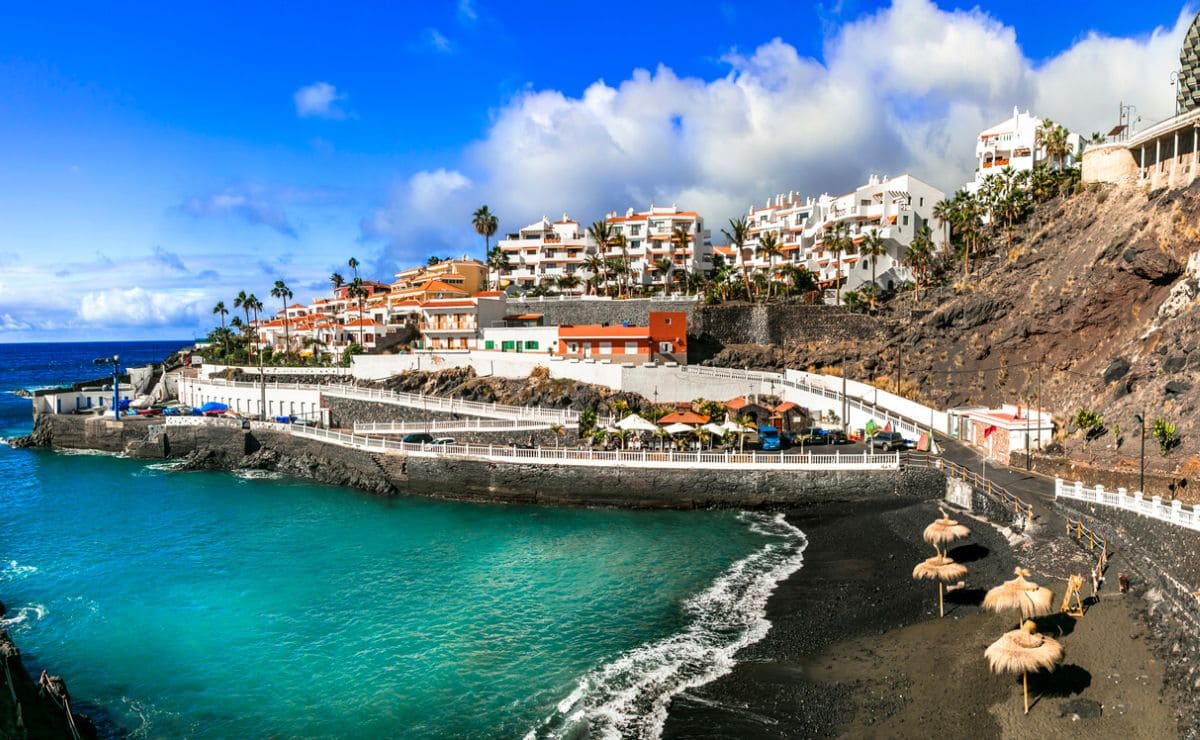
(25, 710)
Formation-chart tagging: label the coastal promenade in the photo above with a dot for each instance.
(727, 460)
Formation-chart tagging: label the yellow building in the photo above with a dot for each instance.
(447, 279)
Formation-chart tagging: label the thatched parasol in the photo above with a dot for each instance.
(944, 531)
(1021, 651)
(1031, 599)
(941, 569)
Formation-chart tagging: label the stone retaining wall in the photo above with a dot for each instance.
(636, 312)
(231, 448)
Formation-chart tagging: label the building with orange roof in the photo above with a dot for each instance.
(664, 339)
(463, 274)
(458, 323)
(683, 416)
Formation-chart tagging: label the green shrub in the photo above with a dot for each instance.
(1088, 420)
(1166, 434)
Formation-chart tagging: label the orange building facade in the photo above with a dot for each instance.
(664, 340)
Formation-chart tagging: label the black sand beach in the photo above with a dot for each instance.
(856, 649)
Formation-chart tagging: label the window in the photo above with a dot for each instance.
(635, 244)
(530, 344)
(606, 348)
(635, 229)
(668, 322)
(572, 347)
(489, 344)
(631, 348)
(906, 220)
(922, 201)
(665, 347)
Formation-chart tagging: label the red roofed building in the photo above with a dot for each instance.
(998, 432)
(664, 340)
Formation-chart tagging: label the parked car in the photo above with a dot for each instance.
(417, 438)
(837, 437)
(815, 436)
(888, 442)
(443, 441)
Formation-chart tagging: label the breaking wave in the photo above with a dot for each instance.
(629, 696)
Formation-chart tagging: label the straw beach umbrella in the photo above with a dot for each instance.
(943, 570)
(944, 531)
(1029, 598)
(1021, 651)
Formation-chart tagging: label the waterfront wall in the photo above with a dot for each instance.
(1060, 466)
(231, 448)
(344, 412)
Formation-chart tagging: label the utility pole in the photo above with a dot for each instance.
(899, 363)
(1028, 412)
(845, 403)
(262, 383)
(1141, 420)
(1039, 404)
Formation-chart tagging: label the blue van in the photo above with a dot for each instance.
(768, 437)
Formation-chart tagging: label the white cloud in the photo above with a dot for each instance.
(319, 100)
(139, 307)
(429, 212)
(253, 204)
(904, 89)
(437, 41)
(467, 13)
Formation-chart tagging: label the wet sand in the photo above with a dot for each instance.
(856, 649)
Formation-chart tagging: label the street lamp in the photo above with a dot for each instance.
(1141, 420)
(1175, 84)
(115, 361)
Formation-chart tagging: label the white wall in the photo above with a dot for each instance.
(545, 336)
(302, 403)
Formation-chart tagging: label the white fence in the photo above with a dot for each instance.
(602, 458)
(198, 421)
(1174, 512)
(453, 405)
(252, 370)
(457, 425)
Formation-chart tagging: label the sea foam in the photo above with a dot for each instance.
(629, 696)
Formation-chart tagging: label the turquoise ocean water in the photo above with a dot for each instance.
(209, 605)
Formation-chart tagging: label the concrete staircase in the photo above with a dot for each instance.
(393, 464)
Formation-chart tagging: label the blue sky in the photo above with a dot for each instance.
(155, 159)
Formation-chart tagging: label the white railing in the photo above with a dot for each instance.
(456, 425)
(1173, 512)
(728, 460)
(199, 421)
(270, 426)
(282, 370)
(452, 405)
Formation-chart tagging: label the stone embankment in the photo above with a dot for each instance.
(389, 473)
(1162, 563)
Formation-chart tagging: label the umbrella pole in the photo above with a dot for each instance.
(941, 608)
(1025, 683)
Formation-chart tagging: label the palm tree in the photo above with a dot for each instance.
(601, 233)
(252, 303)
(497, 261)
(739, 232)
(837, 240)
(595, 265)
(337, 280)
(768, 246)
(568, 282)
(679, 240)
(358, 292)
(615, 268)
(219, 309)
(1053, 138)
(352, 263)
(485, 223)
(920, 251)
(240, 301)
(618, 240)
(943, 211)
(664, 267)
(874, 247)
(284, 294)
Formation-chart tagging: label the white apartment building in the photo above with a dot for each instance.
(649, 239)
(458, 323)
(895, 207)
(1013, 143)
(542, 253)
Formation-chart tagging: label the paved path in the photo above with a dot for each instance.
(1033, 488)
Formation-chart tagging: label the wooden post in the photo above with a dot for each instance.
(1079, 530)
(941, 607)
(1091, 540)
(1025, 683)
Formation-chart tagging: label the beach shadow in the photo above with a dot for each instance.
(1055, 625)
(965, 596)
(1066, 680)
(968, 553)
